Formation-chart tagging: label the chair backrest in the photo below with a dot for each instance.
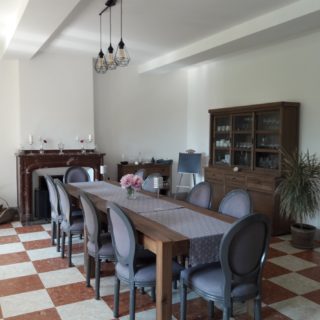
(200, 195)
(124, 237)
(76, 174)
(243, 252)
(141, 173)
(64, 201)
(148, 184)
(236, 203)
(53, 197)
(91, 220)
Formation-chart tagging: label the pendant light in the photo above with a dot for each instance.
(122, 57)
(100, 63)
(110, 58)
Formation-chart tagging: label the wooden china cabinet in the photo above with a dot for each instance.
(245, 153)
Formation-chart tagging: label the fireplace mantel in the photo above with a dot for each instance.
(28, 161)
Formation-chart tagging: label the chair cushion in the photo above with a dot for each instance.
(106, 249)
(210, 279)
(244, 291)
(206, 277)
(76, 213)
(146, 273)
(75, 227)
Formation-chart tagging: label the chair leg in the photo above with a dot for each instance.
(257, 308)
(183, 301)
(69, 249)
(116, 297)
(226, 313)
(63, 244)
(153, 294)
(97, 275)
(58, 236)
(88, 270)
(132, 307)
(211, 309)
(53, 231)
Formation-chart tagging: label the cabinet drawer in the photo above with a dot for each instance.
(236, 180)
(212, 176)
(163, 170)
(260, 184)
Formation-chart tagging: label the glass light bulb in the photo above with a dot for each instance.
(110, 61)
(101, 63)
(122, 57)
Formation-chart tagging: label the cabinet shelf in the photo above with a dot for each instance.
(242, 149)
(266, 150)
(267, 132)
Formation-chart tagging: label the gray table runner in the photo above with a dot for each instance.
(110, 192)
(204, 232)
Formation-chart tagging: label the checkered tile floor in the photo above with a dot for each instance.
(35, 283)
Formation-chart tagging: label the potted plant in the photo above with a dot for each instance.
(299, 192)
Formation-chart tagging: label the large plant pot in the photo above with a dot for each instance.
(303, 236)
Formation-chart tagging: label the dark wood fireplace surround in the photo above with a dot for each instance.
(28, 161)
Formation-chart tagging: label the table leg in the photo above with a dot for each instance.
(164, 281)
(250, 309)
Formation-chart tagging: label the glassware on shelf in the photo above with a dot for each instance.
(60, 147)
(42, 143)
(82, 148)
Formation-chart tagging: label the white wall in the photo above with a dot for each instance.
(140, 113)
(56, 100)
(9, 129)
(289, 71)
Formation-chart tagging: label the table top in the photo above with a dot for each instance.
(162, 219)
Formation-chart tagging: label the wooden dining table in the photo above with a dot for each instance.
(161, 240)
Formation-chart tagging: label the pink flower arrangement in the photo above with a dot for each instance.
(131, 181)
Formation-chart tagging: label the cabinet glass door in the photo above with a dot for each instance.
(267, 140)
(242, 140)
(222, 138)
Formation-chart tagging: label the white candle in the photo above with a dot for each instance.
(90, 138)
(30, 139)
(103, 169)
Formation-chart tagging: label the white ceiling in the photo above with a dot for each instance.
(153, 29)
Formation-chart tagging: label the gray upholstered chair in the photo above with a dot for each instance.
(72, 223)
(141, 173)
(148, 183)
(237, 277)
(99, 244)
(131, 267)
(56, 217)
(236, 203)
(200, 195)
(76, 174)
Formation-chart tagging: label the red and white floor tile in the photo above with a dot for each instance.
(36, 284)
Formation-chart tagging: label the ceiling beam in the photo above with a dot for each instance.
(274, 26)
(40, 19)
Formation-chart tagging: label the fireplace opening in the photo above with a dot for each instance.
(42, 209)
(40, 194)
